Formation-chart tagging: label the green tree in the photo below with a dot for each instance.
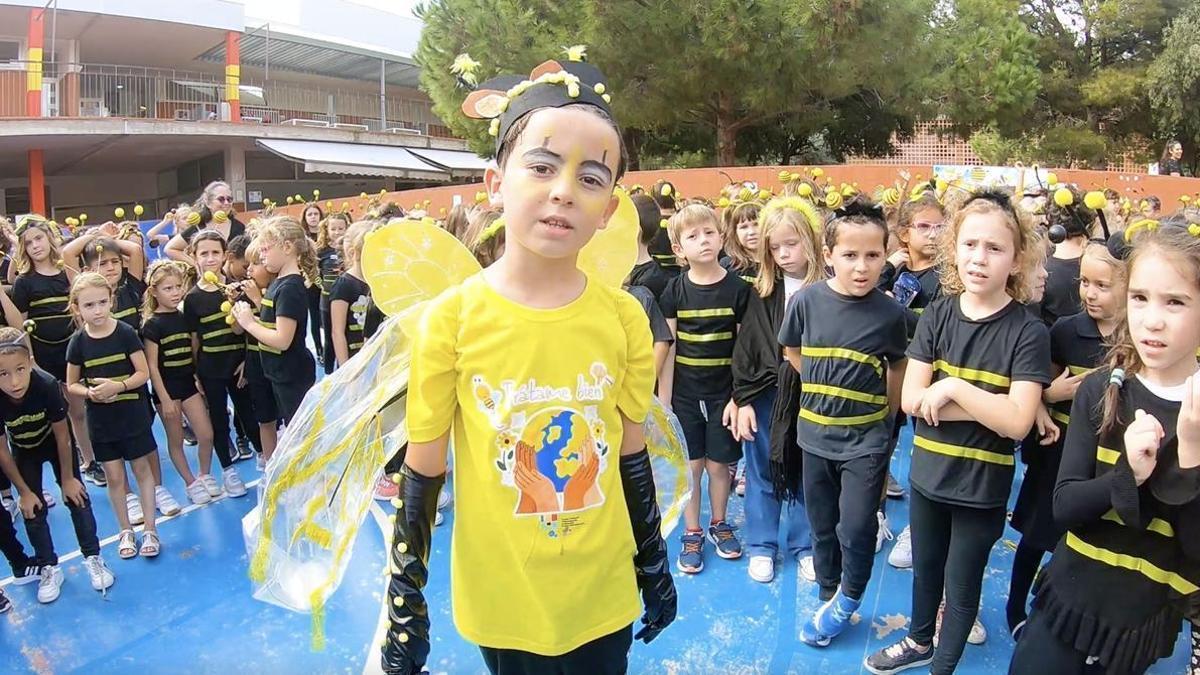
(1173, 82)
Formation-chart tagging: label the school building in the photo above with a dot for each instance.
(112, 103)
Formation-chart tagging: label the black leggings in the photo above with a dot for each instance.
(314, 315)
(1039, 651)
(950, 547)
(840, 497)
(608, 655)
(30, 463)
(216, 392)
(1026, 562)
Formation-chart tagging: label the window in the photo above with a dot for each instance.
(10, 50)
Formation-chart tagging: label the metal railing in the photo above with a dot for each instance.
(102, 90)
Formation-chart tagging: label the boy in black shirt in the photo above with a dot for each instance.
(646, 270)
(704, 308)
(851, 370)
(35, 425)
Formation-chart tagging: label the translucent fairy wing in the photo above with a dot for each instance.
(668, 459)
(409, 262)
(316, 489)
(611, 253)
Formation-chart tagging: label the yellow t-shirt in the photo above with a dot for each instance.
(542, 551)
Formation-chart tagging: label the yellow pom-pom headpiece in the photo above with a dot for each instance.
(220, 217)
(891, 196)
(119, 213)
(799, 204)
(805, 190)
(1063, 197)
(833, 199)
(723, 203)
(577, 53)
(1051, 180)
(490, 231)
(212, 278)
(465, 67)
(817, 172)
(1147, 224)
(193, 218)
(1095, 200)
(138, 210)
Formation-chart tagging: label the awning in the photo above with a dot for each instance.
(455, 161)
(356, 159)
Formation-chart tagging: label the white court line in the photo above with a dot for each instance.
(159, 521)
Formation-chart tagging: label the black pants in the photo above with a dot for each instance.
(841, 498)
(328, 358)
(314, 315)
(1026, 562)
(30, 463)
(288, 396)
(608, 655)
(10, 546)
(216, 392)
(950, 547)
(1039, 651)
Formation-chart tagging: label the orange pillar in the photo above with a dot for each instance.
(33, 77)
(37, 183)
(233, 74)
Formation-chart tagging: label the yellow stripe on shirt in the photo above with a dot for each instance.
(1060, 417)
(103, 360)
(851, 421)
(703, 363)
(704, 313)
(843, 353)
(974, 374)
(1107, 455)
(840, 392)
(1140, 565)
(963, 452)
(700, 337)
(1157, 525)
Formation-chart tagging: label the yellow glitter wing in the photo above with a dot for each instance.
(611, 253)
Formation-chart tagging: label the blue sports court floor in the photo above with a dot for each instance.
(190, 610)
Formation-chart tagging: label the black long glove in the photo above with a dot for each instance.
(406, 645)
(650, 560)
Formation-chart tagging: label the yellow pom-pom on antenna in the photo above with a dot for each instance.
(83, 216)
(226, 307)
(805, 190)
(1095, 200)
(220, 217)
(119, 213)
(817, 172)
(138, 210)
(891, 196)
(833, 199)
(316, 195)
(193, 218)
(1051, 179)
(211, 278)
(30, 325)
(290, 199)
(1063, 197)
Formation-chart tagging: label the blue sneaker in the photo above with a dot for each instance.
(810, 636)
(834, 616)
(691, 558)
(721, 535)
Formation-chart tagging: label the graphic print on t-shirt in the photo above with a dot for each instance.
(552, 450)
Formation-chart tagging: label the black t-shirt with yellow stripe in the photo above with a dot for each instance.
(221, 350)
(966, 463)
(846, 344)
(169, 330)
(27, 423)
(1120, 575)
(1075, 346)
(287, 297)
(44, 299)
(356, 293)
(707, 318)
(108, 357)
(128, 300)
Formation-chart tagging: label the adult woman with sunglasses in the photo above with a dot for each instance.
(216, 198)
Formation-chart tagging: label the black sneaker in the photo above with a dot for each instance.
(5, 603)
(900, 656)
(894, 489)
(1195, 668)
(27, 574)
(189, 436)
(94, 474)
(243, 449)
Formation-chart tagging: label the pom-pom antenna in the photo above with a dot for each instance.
(576, 52)
(465, 67)
(1063, 197)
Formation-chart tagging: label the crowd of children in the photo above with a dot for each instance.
(793, 337)
(98, 345)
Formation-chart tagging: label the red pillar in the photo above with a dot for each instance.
(33, 55)
(233, 74)
(37, 183)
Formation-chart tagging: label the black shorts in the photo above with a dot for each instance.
(125, 449)
(288, 396)
(607, 655)
(263, 400)
(51, 358)
(178, 388)
(706, 437)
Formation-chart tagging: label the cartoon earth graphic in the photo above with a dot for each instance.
(560, 437)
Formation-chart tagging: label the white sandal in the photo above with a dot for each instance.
(126, 545)
(150, 545)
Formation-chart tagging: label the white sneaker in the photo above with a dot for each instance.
(884, 532)
(134, 508)
(13, 507)
(50, 586)
(234, 487)
(807, 569)
(164, 501)
(978, 634)
(210, 484)
(259, 462)
(438, 518)
(443, 499)
(49, 499)
(102, 578)
(197, 493)
(762, 568)
(901, 554)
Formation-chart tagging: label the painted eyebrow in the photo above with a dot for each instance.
(554, 157)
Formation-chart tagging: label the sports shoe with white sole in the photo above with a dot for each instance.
(133, 506)
(197, 493)
(210, 485)
(49, 499)
(900, 556)
(102, 578)
(807, 569)
(164, 501)
(762, 568)
(234, 487)
(50, 586)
